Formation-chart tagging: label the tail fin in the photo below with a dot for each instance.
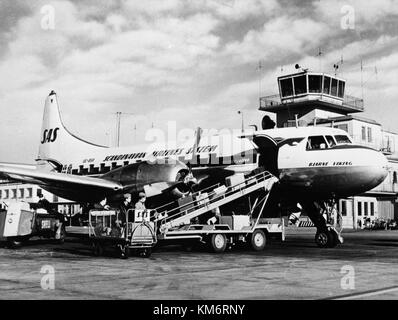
(57, 144)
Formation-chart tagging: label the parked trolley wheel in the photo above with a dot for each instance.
(16, 242)
(124, 251)
(218, 242)
(98, 250)
(145, 253)
(258, 240)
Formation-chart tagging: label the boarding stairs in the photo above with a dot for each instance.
(215, 197)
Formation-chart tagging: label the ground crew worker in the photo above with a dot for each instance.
(140, 204)
(102, 205)
(43, 203)
(123, 208)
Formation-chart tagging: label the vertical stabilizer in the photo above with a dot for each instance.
(57, 145)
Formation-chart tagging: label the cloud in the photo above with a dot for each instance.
(277, 39)
(192, 62)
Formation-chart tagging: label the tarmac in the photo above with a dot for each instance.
(364, 267)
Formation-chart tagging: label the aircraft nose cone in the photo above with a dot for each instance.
(379, 165)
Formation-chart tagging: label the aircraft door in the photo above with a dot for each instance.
(289, 155)
(268, 151)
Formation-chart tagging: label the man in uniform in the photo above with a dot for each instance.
(123, 208)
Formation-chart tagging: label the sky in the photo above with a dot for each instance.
(181, 63)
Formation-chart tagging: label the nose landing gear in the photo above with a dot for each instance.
(328, 222)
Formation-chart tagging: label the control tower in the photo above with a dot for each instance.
(306, 96)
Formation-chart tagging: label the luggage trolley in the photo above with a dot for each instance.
(139, 235)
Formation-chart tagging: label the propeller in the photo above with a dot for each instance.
(190, 179)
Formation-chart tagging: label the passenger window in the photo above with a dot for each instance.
(316, 143)
(331, 141)
(342, 139)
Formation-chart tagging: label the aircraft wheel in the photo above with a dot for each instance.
(218, 242)
(98, 250)
(324, 239)
(258, 240)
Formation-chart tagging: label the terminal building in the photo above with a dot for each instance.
(318, 99)
(14, 191)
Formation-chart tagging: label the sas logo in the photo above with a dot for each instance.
(49, 135)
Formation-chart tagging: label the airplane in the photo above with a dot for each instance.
(313, 164)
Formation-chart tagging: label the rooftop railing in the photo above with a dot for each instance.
(272, 101)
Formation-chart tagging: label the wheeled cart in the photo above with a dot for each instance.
(19, 223)
(126, 237)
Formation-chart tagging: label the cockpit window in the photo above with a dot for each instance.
(316, 143)
(342, 139)
(331, 141)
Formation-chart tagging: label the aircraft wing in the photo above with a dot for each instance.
(51, 181)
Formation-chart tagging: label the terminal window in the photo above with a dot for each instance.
(342, 127)
(326, 85)
(370, 135)
(341, 89)
(343, 208)
(363, 133)
(315, 84)
(359, 208)
(333, 91)
(300, 85)
(372, 209)
(287, 87)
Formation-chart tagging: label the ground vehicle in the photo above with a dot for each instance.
(229, 229)
(139, 235)
(19, 223)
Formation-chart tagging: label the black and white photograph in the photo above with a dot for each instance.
(211, 152)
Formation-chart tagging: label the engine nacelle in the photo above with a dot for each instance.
(153, 179)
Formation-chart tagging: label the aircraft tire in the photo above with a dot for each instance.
(258, 240)
(218, 242)
(323, 238)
